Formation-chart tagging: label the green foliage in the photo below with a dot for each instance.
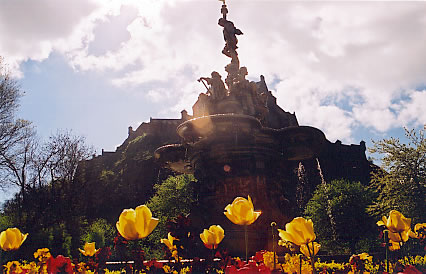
(100, 232)
(138, 149)
(106, 175)
(338, 211)
(59, 240)
(5, 222)
(172, 197)
(401, 184)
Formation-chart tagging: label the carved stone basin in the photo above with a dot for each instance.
(224, 136)
(217, 125)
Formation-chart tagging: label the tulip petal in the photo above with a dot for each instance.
(413, 235)
(12, 241)
(419, 227)
(166, 242)
(209, 237)
(313, 249)
(397, 222)
(310, 230)
(380, 223)
(233, 218)
(126, 224)
(295, 228)
(286, 236)
(399, 237)
(218, 232)
(256, 215)
(304, 251)
(143, 216)
(151, 226)
(3, 240)
(299, 231)
(170, 238)
(24, 237)
(169, 241)
(203, 236)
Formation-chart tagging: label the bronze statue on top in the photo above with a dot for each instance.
(230, 33)
(237, 95)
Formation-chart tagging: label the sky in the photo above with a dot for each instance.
(355, 70)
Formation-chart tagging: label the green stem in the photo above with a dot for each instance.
(273, 224)
(400, 247)
(386, 249)
(313, 258)
(246, 241)
(311, 255)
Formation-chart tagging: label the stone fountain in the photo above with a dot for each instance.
(236, 142)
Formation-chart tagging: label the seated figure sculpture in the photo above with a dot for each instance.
(217, 90)
(246, 91)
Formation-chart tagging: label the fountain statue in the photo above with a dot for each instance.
(236, 143)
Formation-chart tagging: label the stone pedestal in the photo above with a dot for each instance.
(232, 155)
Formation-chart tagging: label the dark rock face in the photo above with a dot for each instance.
(126, 176)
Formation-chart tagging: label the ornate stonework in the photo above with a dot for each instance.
(236, 143)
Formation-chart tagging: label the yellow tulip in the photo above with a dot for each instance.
(312, 249)
(241, 211)
(299, 231)
(89, 249)
(136, 223)
(396, 222)
(212, 237)
(399, 237)
(420, 231)
(11, 239)
(169, 242)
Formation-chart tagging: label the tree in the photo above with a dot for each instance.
(17, 137)
(401, 182)
(9, 97)
(64, 152)
(350, 227)
(16, 159)
(54, 198)
(174, 196)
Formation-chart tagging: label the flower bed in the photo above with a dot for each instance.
(298, 237)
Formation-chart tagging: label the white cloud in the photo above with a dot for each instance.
(413, 110)
(338, 65)
(33, 29)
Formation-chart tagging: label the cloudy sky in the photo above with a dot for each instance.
(356, 70)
